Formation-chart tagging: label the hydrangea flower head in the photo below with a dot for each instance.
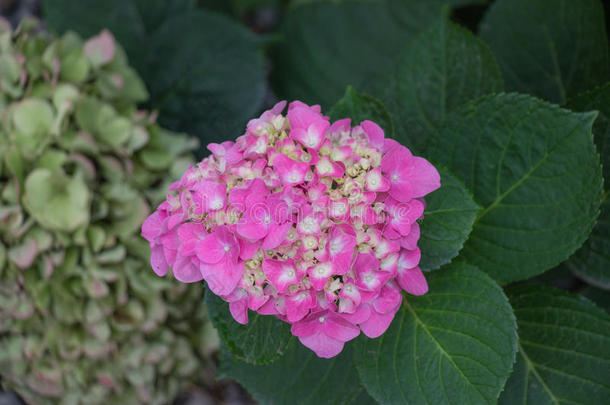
(313, 222)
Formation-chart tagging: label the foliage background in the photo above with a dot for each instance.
(437, 69)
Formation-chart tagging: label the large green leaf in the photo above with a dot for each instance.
(597, 295)
(360, 107)
(331, 44)
(564, 349)
(131, 21)
(444, 68)
(534, 169)
(205, 74)
(204, 71)
(454, 345)
(450, 213)
(299, 377)
(263, 339)
(553, 49)
(592, 262)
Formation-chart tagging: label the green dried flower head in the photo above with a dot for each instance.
(82, 319)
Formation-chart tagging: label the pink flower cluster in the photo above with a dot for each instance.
(313, 222)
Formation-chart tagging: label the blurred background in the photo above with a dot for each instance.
(210, 65)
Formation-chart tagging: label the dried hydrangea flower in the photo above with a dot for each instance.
(313, 222)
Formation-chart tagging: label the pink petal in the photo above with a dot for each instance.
(349, 290)
(277, 235)
(209, 195)
(189, 234)
(278, 107)
(365, 262)
(298, 305)
(256, 298)
(412, 281)
(375, 181)
(323, 346)
(238, 305)
(157, 261)
(409, 258)
(153, 226)
(290, 171)
(247, 249)
(339, 209)
(425, 177)
(396, 158)
(239, 311)
(100, 48)
(409, 242)
(343, 125)
(312, 136)
(388, 300)
(186, 271)
(319, 274)
(377, 324)
(222, 277)
(302, 116)
(280, 274)
(374, 133)
(253, 229)
(326, 168)
(210, 250)
(389, 144)
(268, 308)
(216, 149)
(339, 328)
(362, 313)
(389, 263)
(341, 249)
(308, 326)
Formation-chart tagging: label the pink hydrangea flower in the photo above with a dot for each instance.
(313, 222)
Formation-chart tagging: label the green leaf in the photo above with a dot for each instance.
(534, 169)
(205, 75)
(56, 201)
(600, 297)
(332, 44)
(553, 49)
(33, 117)
(564, 353)
(299, 377)
(598, 99)
(450, 213)
(443, 69)
(262, 340)
(592, 261)
(360, 107)
(454, 345)
(131, 21)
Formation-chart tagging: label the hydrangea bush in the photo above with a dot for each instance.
(313, 222)
(82, 320)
